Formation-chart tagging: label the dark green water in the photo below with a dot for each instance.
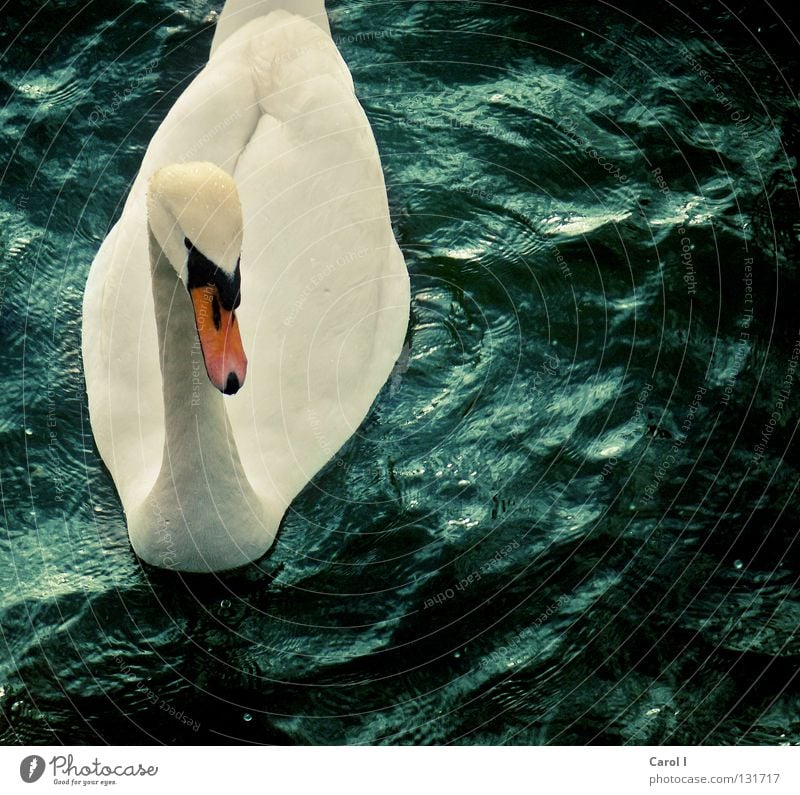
(570, 517)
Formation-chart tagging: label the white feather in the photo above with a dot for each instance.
(325, 295)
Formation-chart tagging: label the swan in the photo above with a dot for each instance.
(243, 313)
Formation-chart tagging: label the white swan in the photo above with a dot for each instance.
(267, 156)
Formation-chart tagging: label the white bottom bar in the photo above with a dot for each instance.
(400, 771)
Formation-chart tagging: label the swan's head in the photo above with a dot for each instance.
(196, 217)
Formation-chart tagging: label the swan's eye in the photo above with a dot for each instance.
(188, 243)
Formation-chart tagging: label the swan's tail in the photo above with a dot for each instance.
(239, 12)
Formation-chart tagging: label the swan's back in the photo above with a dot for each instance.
(237, 13)
(328, 310)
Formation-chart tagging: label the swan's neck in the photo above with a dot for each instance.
(198, 436)
(202, 513)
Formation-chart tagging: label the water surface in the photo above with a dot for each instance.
(570, 516)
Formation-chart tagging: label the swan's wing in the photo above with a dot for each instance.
(324, 285)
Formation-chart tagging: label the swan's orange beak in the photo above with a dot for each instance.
(218, 330)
